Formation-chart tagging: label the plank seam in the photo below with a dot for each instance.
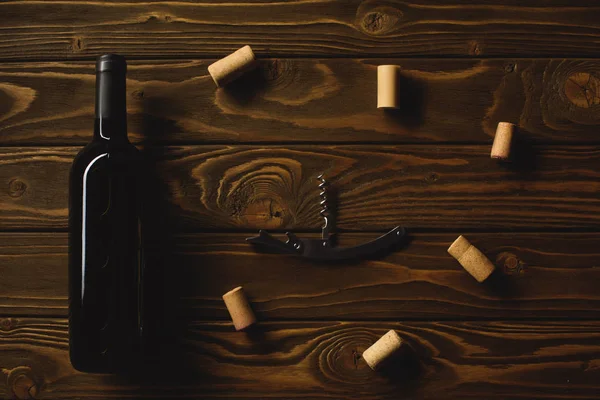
(271, 56)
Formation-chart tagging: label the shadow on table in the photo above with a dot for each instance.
(404, 370)
(171, 362)
(525, 157)
(165, 361)
(411, 103)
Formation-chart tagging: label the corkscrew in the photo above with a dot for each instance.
(325, 249)
(326, 204)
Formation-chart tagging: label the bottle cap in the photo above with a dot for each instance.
(111, 62)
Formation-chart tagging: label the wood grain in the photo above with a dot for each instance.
(274, 187)
(224, 163)
(538, 276)
(75, 29)
(296, 100)
(455, 360)
(35, 185)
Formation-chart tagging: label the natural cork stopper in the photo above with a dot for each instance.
(239, 308)
(473, 260)
(387, 86)
(233, 66)
(382, 350)
(503, 141)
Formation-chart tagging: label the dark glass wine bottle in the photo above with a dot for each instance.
(105, 252)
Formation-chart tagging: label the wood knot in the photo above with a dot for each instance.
(16, 188)
(22, 382)
(379, 20)
(583, 89)
(591, 365)
(6, 324)
(342, 359)
(280, 72)
(137, 94)
(76, 45)
(432, 177)
(510, 264)
(262, 213)
(158, 18)
(474, 48)
(510, 67)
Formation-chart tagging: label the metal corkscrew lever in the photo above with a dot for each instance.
(324, 249)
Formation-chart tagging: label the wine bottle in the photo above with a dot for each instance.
(105, 252)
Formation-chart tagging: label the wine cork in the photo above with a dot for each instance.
(473, 260)
(387, 86)
(239, 308)
(503, 141)
(233, 66)
(382, 350)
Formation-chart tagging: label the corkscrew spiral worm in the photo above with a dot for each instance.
(325, 212)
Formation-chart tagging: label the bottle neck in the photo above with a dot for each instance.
(111, 108)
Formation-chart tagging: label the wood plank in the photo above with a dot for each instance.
(34, 270)
(539, 276)
(35, 186)
(296, 100)
(275, 187)
(75, 29)
(456, 360)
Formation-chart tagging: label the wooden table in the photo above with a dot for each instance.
(229, 162)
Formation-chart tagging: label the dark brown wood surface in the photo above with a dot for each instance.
(74, 29)
(420, 281)
(447, 187)
(299, 100)
(306, 360)
(223, 163)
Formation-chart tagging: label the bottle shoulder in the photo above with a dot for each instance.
(121, 153)
(87, 154)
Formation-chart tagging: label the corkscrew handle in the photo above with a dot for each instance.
(320, 250)
(325, 249)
